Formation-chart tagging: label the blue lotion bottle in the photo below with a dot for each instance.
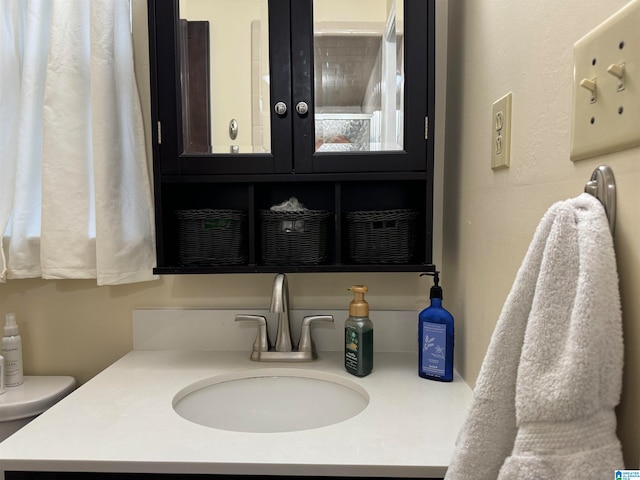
(435, 337)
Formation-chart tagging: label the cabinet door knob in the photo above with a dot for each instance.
(280, 108)
(302, 108)
(233, 129)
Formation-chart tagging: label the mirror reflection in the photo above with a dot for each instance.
(359, 78)
(225, 76)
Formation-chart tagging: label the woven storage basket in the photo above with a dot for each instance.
(211, 237)
(383, 236)
(294, 237)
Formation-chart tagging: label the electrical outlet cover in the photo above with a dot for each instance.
(611, 121)
(501, 133)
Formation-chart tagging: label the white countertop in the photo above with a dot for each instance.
(123, 421)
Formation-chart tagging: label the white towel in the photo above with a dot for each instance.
(543, 406)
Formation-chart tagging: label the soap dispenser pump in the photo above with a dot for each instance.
(358, 335)
(435, 337)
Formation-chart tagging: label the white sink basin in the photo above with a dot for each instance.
(271, 400)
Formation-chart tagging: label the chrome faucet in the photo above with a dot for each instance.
(283, 351)
(280, 305)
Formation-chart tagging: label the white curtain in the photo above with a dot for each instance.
(75, 196)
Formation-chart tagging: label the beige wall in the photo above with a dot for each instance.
(526, 47)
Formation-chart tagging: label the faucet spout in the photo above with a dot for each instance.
(280, 305)
(283, 350)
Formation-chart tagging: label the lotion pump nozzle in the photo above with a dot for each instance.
(436, 290)
(10, 326)
(358, 307)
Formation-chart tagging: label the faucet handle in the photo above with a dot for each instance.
(261, 343)
(306, 342)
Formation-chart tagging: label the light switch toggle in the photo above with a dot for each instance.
(591, 85)
(608, 53)
(618, 71)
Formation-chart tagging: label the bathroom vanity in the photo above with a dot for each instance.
(122, 422)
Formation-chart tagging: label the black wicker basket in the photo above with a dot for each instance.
(383, 236)
(292, 238)
(211, 237)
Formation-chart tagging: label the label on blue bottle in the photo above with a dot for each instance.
(434, 348)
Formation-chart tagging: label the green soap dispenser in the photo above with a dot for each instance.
(358, 335)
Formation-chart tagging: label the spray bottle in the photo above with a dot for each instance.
(435, 337)
(358, 335)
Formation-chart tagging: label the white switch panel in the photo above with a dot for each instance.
(501, 136)
(606, 86)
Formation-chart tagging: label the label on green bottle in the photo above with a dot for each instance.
(358, 351)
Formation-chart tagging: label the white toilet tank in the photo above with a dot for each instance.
(19, 405)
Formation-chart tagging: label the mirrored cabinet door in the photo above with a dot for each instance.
(283, 86)
(219, 65)
(359, 75)
(224, 60)
(366, 84)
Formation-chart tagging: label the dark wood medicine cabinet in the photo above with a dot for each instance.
(337, 111)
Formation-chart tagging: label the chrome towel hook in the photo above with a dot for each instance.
(602, 185)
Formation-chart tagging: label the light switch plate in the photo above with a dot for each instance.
(606, 108)
(501, 136)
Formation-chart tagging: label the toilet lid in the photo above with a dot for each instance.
(34, 396)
